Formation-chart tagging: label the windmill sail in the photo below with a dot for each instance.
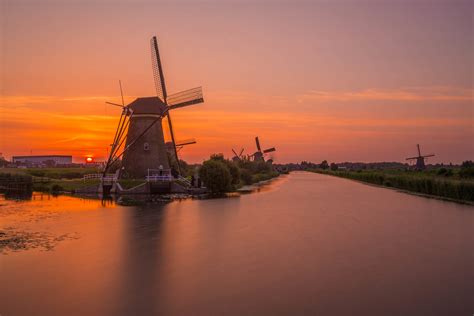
(158, 70)
(185, 98)
(269, 150)
(257, 142)
(161, 88)
(186, 142)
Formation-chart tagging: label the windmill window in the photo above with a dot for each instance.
(146, 146)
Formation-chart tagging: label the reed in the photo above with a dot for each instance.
(419, 182)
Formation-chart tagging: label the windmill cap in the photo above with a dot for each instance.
(147, 105)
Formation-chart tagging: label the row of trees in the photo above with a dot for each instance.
(323, 165)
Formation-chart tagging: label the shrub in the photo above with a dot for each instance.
(234, 172)
(216, 176)
(246, 176)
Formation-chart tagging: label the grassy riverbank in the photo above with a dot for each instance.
(430, 183)
(52, 173)
(52, 180)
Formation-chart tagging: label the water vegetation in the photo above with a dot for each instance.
(450, 183)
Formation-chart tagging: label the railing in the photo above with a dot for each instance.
(92, 176)
(109, 177)
(154, 178)
(159, 175)
(184, 180)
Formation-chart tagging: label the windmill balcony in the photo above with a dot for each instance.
(155, 175)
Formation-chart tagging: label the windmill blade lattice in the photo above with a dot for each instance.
(185, 98)
(158, 70)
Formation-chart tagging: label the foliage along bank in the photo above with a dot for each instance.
(459, 189)
(222, 175)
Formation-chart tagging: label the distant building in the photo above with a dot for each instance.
(49, 160)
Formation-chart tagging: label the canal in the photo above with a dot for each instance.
(306, 244)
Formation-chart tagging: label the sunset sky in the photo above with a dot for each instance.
(336, 80)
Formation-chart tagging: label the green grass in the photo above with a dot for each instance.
(428, 182)
(54, 179)
(53, 173)
(66, 185)
(130, 183)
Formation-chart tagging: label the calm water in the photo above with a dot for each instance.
(307, 244)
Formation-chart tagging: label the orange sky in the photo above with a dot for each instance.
(345, 81)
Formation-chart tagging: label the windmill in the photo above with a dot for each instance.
(420, 160)
(238, 157)
(139, 135)
(259, 154)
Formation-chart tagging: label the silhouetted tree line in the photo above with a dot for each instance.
(224, 175)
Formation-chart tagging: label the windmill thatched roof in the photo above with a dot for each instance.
(147, 105)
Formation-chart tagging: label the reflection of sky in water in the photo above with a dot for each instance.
(303, 246)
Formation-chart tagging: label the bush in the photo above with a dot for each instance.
(234, 172)
(216, 176)
(246, 176)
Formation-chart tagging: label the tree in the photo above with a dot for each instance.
(324, 164)
(334, 167)
(234, 171)
(218, 157)
(216, 176)
(246, 176)
(233, 168)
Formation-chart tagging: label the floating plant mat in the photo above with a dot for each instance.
(17, 240)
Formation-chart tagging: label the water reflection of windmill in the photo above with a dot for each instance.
(260, 154)
(420, 159)
(140, 127)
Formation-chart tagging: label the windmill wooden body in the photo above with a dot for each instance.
(420, 159)
(139, 135)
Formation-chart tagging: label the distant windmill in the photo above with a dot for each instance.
(140, 126)
(420, 160)
(259, 154)
(238, 157)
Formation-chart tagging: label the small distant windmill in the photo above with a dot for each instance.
(238, 157)
(259, 154)
(420, 159)
(140, 126)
